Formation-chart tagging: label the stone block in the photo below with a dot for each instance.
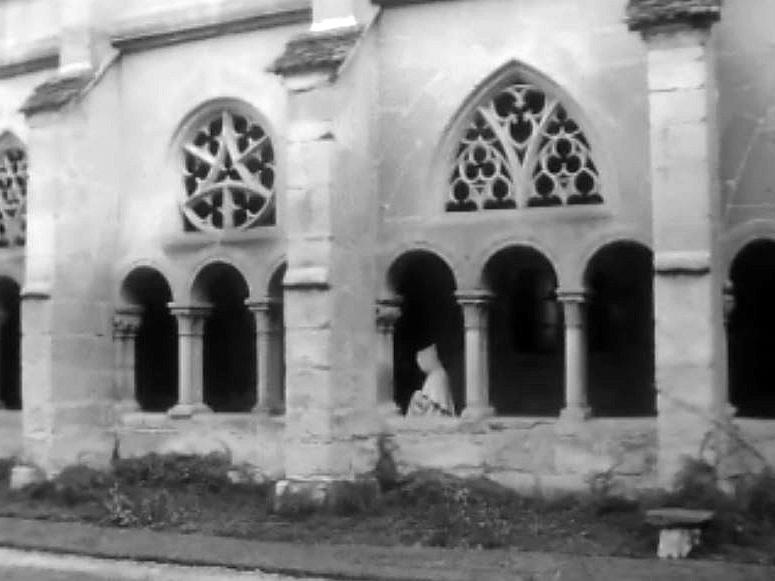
(309, 210)
(338, 496)
(309, 310)
(23, 476)
(676, 68)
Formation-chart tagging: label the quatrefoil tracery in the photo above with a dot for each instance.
(229, 175)
(522, 149)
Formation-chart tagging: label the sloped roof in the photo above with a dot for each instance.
(643, 14)
(55, 93)
(313, 51)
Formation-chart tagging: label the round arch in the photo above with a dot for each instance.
(430, 315)
(229, 338)
(525, 332)
(620, 329)
(148, 291)
(751, 368)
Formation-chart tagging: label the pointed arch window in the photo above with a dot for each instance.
(13, 192)
(522, 149)
(229, 174)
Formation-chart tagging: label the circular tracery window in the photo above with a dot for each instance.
(13, 196)
(229, 175)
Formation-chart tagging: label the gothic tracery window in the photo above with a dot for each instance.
(13, 196)
(522, 149)
(229, 174)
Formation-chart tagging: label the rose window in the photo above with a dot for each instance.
(229, 175)
(13, 196)
(522, 149)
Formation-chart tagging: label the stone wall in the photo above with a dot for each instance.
(532, 454)
(247, 439)
(586, 57)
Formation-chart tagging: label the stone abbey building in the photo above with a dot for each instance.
(230, 225)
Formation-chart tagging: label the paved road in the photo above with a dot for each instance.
(31, 566)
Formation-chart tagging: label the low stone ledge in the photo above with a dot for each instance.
(56, 92)
(317, 51)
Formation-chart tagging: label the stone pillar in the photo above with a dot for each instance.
(388, 312)
(268, 397)
(329, 287)
(126, 324)
(191, 322)
(574, 305)
(77, 37)
(475, 308)
(690, 350)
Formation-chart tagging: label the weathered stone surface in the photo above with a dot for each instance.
(643, 14)
(56, 93)
(315, 51)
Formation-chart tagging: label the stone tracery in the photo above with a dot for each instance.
(229, 175)
(13, 196)
(522, 149)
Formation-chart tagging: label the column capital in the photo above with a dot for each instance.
(126, 321)
(574, 296)
(388, 311)
(190, 311)
(190, 318)
(264, 305)
(728, 299)
(474, 304)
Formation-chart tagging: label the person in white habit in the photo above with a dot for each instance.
(435, 397)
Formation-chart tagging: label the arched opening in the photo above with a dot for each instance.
(229, 340)
(430, 315)
(10, 339)
(156, 344)
(525, 334)
(277, 345)
(620, 331)
(749, 331)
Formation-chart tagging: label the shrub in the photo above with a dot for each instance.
(208, 473)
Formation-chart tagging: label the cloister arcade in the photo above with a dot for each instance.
(522, 346)
(223, 352)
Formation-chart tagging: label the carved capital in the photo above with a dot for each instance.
(388, 311)
(191, 318)
(126, 323)
(264, 310)
(574, 304)
(475, 306)
(729, 300)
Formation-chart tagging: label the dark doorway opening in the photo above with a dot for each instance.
(10, 345)
(229, 340)
(620, 331)
(525, 334)
(751, 341)
(156, 345)
(430, 315)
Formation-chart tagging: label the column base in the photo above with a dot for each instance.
(575, 414)
(187, 410)
(293, 496)
(477, 412)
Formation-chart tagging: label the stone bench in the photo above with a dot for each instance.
(680, 529)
